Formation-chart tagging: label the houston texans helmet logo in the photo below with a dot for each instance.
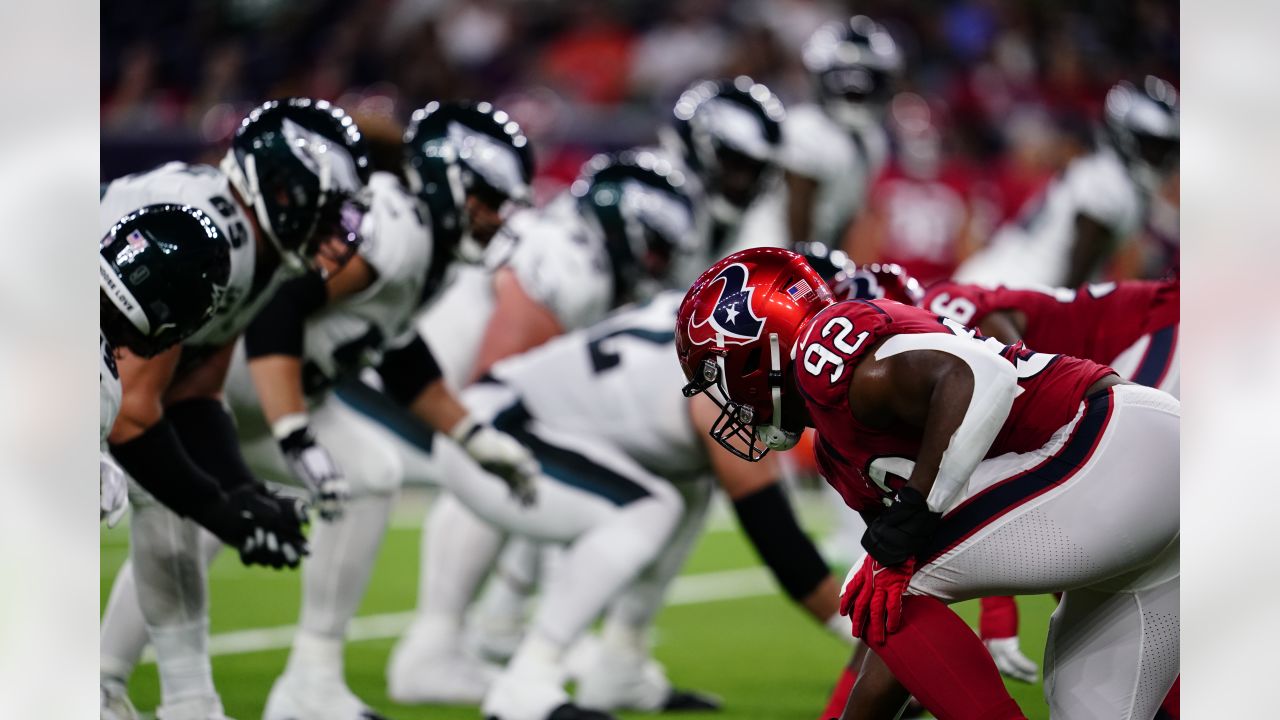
(732, 321)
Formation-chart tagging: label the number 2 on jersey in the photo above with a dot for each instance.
(817, 356)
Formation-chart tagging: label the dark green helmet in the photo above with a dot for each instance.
(642, 206)
(302, 165)
(162, 271)
(456, 149)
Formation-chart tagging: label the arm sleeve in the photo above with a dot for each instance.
(766, 517)
(209, 437)
(277, 329)
(159, 463)
(408, 370)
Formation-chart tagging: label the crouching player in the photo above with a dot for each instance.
(981, 469)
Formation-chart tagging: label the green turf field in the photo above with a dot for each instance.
(729, 633)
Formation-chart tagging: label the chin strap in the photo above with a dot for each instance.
(775, 379)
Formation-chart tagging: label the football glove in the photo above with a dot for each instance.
(902, 529)
(500, 454)
(113, 491)
(313, 465)
(1010, 660)
(872, 598)
(266, 528)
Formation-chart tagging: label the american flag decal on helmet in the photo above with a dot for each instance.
(136, 240)
(800, 290)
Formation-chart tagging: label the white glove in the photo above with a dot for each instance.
(1010, 660)
(313, 465)
(500, 454)
(113, 491)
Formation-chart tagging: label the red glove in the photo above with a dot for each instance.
(872, 598)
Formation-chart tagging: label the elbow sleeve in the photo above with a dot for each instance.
(278, 328)
(408, 370)
(791, 556)
(157, 461)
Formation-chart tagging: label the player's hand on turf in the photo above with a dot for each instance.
(872, 598)
(113, 491)
(265, 527)
(1010, 660)
(500, 454)
(313, 465)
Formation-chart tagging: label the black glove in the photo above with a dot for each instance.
(902, 529)
(265, 527)
(313, 465)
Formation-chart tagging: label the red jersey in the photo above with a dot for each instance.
(1052, 388)
(1096, 322)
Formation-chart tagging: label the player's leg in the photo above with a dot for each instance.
(499, 618)
(616, 518)
(618, 672)
(122, 639)
(1096, 508)
(429, 663)
(1112, 655)
(335, 575)
(170, 581)
(998, 627)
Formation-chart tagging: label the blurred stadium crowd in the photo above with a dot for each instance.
(1005, 92)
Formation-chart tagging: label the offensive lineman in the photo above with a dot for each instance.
(284, 193)
(146, 311)
(620, 228)
(1065, 237)
(320, 330)
(978, 468)
(723, 140)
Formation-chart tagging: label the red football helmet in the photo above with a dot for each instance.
(877, 281)
(735, 333)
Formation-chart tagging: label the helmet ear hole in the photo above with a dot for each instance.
(751, 362)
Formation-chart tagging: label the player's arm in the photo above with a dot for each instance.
(958, 394)
(412, 377)
(801, 190)
(766, 517)
(274, 344)
(151, 440)
(518, 323)
(1007, 326)
(1093, 244)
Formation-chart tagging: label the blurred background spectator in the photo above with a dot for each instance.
(1012, 89)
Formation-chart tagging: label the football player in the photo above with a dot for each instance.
(286, 191)
(1066, 235)
(978, 469)
(726, 136)
(323, 328)
(832, 150)
(1131, 325)
(617, 232)
(161, 269)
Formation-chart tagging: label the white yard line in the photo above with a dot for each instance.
(686, 590)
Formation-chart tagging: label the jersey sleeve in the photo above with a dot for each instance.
(392, 211)
(964, 303)
(1101, 190)
(561, 268)
(811, 146)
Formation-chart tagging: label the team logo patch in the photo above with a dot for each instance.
(732, 321)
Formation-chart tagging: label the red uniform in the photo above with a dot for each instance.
(1052, 388)
(1097, 322)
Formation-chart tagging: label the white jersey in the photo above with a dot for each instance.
(1036, 248)
(560, 262)
(208, 190)
(109, 380)
(618, 380)
(843, 163)
(354, 333)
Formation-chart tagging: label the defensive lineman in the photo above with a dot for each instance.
(992, 489)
